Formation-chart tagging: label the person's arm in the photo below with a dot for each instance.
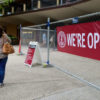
(7, 39)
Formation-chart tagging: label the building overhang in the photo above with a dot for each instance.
(55, 13)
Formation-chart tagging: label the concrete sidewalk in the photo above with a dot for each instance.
(37, 83)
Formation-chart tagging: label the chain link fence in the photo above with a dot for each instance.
(84, 69)
(39, 35)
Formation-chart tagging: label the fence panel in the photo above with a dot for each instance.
(84, 68)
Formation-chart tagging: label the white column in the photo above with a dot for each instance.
(12, 10)
(58, 2)
(39, 4)
(24, 7)
(3, 11)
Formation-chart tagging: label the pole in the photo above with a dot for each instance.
(20, 41)
(61, 2)
(20, 30)
(32, 4)
(48, 48)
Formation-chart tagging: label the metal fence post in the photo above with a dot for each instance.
(48, 47)
(20, 51)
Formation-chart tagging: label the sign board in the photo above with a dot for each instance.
(75, 20)
(80, 39)
(33, 53)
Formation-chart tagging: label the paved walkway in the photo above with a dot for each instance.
(37, 83)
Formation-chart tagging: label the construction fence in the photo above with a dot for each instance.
(84, 69)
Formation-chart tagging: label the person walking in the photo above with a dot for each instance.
(3, 57)
(52, 41)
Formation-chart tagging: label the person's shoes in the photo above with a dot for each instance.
(1, 84)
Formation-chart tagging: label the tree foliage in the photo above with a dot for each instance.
(5, 3)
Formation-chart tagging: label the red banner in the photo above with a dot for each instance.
(29, 57)
(80, 39)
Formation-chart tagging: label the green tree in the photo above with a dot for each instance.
(5, 3)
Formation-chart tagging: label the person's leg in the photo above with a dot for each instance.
(2, 68)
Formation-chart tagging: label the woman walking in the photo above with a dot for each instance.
(3, 57)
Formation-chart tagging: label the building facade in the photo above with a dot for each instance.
(32, 12)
